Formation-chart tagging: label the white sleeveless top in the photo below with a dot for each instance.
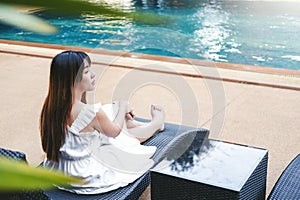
(104, 163)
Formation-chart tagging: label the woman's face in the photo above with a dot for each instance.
(88, 81)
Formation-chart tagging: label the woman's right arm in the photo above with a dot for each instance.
(111, 128)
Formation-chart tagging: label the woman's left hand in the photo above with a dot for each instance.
(130, 115)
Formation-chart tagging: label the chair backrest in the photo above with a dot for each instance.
(179, 145)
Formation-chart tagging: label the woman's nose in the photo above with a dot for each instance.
(93, 74)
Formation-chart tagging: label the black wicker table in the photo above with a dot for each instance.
(211, 169)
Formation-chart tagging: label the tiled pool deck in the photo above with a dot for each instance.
(255, 106)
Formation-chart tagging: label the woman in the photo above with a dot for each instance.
(93, 142)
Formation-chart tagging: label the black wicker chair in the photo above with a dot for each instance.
(172, 134)
(135, 189)
(288, 184)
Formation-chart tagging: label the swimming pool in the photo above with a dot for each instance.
(241, 32)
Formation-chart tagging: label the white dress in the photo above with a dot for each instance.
(104, 163)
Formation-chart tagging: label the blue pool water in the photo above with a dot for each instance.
(242, 32)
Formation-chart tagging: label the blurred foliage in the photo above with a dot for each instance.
(17, 175)
(12, 16)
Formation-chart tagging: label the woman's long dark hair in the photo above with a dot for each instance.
(66, 70)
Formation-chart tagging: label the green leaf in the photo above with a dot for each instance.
(80, 6)
(18, 175)
(12, 17)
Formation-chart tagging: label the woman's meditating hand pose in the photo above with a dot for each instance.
(99, 143)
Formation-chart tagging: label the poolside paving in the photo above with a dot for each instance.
(244, 106)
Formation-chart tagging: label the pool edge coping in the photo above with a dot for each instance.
(239, 67)
(225, 66)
